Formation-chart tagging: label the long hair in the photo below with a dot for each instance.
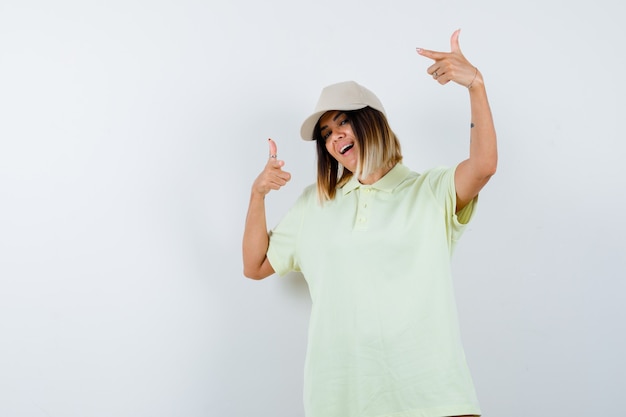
(378, 148)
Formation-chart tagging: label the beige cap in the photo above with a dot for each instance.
(347, 95)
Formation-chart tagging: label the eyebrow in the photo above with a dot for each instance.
(337, 116)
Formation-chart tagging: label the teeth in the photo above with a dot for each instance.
(345, 148)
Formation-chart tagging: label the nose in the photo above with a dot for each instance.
(338, 134)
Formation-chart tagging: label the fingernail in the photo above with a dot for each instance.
(419, 50)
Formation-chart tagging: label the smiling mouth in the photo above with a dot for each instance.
(346, 148)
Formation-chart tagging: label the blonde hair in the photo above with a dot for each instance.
(378, 148)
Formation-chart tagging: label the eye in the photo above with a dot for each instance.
(344, 121)
(326, 135)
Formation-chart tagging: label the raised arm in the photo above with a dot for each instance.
(255, 236)
(472, 174)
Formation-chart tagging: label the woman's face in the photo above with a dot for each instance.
(341, 143)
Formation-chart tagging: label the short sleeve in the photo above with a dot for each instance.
(282, 250)
(441, 182)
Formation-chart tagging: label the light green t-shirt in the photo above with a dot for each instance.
(383, 334)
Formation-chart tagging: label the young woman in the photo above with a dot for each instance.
(373, 240)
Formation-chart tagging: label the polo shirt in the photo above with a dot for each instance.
(383, 336)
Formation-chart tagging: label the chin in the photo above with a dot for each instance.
(349, 168)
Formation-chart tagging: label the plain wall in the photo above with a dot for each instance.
(131, 132)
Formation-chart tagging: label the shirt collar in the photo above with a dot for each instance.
(391, 180)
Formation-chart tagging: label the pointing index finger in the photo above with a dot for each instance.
(273, 149)
(431, 54)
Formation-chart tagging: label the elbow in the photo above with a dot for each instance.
(494, 167)
(254, 277)
(484, 174)
(256, 267)
(251, 274)
(254, 273)
(489, 169)
(482, 166)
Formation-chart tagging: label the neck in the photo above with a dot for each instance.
(376, 175)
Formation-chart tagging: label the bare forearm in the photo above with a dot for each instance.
(483, 149)
(255, 238)
(472, 174)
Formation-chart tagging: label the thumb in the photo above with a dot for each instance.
(454, 42)
(273, 149)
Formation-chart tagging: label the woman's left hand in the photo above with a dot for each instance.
(452, 66)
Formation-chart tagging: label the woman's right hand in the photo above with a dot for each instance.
(272, 177)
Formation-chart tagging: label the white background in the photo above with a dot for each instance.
(130, 133)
